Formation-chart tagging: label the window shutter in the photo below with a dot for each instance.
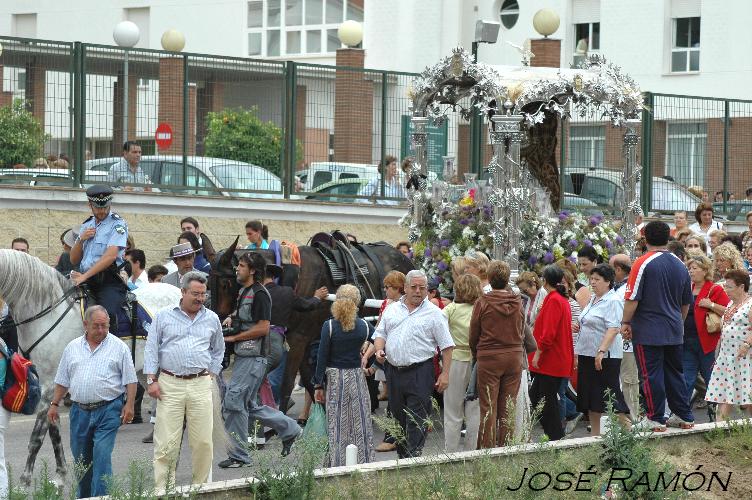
(586, 11)
(685, 8)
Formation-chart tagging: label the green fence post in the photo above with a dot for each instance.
(186, 111)
(382, 187)
(79, 112)
(646, 191)
(562, 161)
(726, 124)
(289, 150)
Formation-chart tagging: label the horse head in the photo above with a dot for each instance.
(223, 283)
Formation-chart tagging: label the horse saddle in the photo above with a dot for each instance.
(132, 320)
(345, 262)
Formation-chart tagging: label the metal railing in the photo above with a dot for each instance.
(226, 126)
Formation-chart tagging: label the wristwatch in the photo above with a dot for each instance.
(601, 351)
(52, 403)
(150, 380)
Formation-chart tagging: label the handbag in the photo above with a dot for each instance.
(713, 320)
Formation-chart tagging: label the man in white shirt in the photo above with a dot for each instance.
(630, 382)
(137, 258)
(407, 337)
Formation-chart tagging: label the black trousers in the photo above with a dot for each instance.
(108, 291)
(410, 392)
(546, 387)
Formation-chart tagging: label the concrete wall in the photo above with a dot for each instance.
(41, 215)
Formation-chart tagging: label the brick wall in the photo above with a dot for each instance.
(353, 111)
(547, 53)
(35, 91)
(171, 104)
(117, 112)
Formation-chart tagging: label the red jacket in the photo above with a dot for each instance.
(716, 294)
(553, 333)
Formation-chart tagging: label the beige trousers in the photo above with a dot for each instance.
(191, 400)
(456, 409)
(630, 384)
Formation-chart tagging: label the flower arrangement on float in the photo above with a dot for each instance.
(462, 228)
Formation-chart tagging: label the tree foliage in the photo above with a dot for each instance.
(240, 134)
(22, 137)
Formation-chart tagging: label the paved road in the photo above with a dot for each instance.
(129, 446)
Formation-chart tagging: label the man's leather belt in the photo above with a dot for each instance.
(187, 377)
(92, 406)
(410, 367)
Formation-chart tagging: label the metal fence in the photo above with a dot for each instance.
(223, 126)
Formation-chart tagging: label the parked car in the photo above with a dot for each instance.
(735, 210)
(319, 173)
(604, 188)
(340, 191)
(205, 176)
(47, 177)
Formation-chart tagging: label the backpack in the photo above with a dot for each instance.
(21, 391)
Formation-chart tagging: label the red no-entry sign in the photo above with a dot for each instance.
(163, 136)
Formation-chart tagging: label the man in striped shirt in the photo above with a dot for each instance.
(657, 300)
(97, 370)
(185, 344)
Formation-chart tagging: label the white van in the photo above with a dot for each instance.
(321, 172)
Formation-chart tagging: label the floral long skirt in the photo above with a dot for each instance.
(348, 415)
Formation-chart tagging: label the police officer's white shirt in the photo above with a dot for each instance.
(412, 337)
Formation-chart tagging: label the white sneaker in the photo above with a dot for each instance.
(649, 426)
(676, 421)
(572, 424)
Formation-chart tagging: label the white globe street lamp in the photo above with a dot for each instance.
(173, 40)
(126, 35)
(350, 33)
(546, 22)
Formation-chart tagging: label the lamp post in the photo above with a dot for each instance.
(350, 33)
(485, 32)
(126, 35)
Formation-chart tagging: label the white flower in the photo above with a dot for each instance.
(598, 249)
(468, 233)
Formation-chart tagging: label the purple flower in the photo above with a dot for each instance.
(439, 279)
(572, 259)
(573, 243)
(594, 220)
(608, 244)
(563, 216)
(445, 243)
(587, 242)
(548, 258)
(442, 266)
(464, 222)
(434, 281)
(619, 240)
(427, 253)
(532, 260)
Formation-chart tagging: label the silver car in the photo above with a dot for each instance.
(205, 176)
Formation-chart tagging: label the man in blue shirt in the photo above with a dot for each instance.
(657, 300)
(99, 253)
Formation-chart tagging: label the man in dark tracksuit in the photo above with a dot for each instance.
(284, 302)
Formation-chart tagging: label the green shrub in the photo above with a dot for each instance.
(21, 135)
(239, 134)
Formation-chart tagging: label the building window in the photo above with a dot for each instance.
(293, 27)
(24, 25)
(685, 152)
(587, 145)
(590, 33)
(685, 52)
(510, 12)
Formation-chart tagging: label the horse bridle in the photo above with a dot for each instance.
(67, 294)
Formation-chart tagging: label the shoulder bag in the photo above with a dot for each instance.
(713, 320)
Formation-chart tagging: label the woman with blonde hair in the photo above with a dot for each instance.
(339, 372)
(467, 290)
(477, 264)
(726, 258)
(695, 242)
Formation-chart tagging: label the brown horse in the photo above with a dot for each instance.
(303, 327)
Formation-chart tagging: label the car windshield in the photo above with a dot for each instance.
(246, 178)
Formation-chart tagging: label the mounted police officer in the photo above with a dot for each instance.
(99, 252)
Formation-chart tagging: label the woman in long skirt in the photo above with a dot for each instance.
(340, 382)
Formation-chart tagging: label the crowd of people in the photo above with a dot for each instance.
(644, 337)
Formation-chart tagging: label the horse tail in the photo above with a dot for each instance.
(219, 435)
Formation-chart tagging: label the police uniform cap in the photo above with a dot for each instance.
(99, 195)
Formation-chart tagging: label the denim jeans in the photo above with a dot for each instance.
(92, 438)
(567, 407)
(695, 360)
(276, 377)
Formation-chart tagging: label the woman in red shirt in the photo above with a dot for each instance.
(554, 359)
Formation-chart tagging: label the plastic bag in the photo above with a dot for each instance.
(316, 425)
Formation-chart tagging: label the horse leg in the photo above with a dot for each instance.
(35, 443)
(57, 446)
(295, 357)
